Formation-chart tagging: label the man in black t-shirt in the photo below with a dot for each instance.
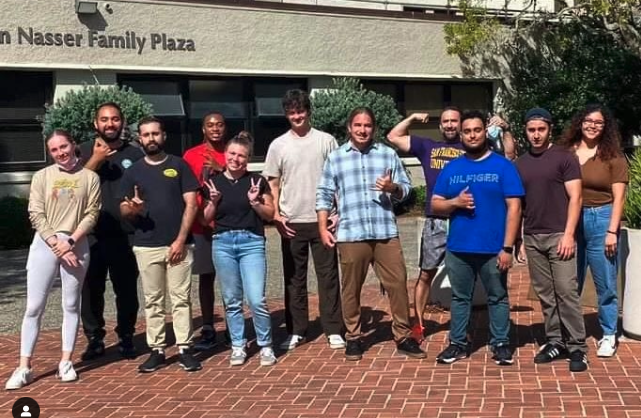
(110, 156)
(158, 194)
(552, 206)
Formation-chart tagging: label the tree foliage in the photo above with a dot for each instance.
(632, 207)
(75, 111)
(332, 107)
(561, 65)
(564, 67)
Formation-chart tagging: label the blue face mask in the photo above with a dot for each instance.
(494, 132)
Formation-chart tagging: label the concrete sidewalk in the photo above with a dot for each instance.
(13, 288)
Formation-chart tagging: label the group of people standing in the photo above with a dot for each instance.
(565, 200)
(110, 207)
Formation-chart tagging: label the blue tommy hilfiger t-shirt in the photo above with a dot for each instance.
(490, 180)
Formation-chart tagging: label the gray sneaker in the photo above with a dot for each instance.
(238, 356)
(267, 356)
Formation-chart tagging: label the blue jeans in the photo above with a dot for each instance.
(462, 270)
(239, 258)
(591, 235)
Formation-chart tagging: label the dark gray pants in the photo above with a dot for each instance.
(555, 282)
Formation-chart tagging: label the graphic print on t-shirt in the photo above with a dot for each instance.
(64, 189)
(440, 156)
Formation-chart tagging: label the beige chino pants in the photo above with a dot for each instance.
(160, 278)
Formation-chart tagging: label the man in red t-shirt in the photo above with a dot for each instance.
(204, 160)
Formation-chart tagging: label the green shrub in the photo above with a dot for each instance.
(421, 195)
(75, 111)
(632, 208)
(333, 106)
(414, 204)
(15, 228)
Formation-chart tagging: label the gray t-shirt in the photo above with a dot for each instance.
(298, 162)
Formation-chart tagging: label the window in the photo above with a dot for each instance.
(268, 119)
(23, 95)
(248, 103)
(472, 96)
(225, 96)
(425, 98)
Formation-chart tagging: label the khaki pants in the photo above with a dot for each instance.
(159, 278)
(389, 265)
(556, 285)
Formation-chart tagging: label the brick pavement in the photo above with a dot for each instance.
(314, 381)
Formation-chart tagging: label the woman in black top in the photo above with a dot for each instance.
(239, 203)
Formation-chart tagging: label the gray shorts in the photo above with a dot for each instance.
(433, 243)
(203, 263)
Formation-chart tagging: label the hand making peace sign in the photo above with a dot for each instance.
(254, 191)
(214, 194)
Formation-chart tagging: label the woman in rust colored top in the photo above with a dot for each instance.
(595, 138)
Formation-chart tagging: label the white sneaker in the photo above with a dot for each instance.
(238, 356)
(267, 356)
(291, 342)
(66, 372)
(607, 346)
(336, 342)
(20, 377)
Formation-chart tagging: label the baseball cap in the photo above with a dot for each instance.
(538, 113)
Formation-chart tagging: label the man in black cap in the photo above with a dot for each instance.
(551, 176)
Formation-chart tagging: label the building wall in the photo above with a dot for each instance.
(226, 40)
(219, 41)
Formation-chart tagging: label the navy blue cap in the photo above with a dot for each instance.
(538, 113)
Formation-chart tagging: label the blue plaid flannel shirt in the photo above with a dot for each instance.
(350, 175)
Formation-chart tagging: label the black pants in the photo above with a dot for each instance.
(295, 262)
(113, 256)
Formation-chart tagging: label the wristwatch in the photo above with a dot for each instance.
(508, 250)
(71, 242)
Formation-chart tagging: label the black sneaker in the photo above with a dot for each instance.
(452, 353)
(95, 349)
(188, 362)
(127, 349)
(155, 361)
(410, 348)
(353, 350)
(550, 352)
(503, 355)
(207, 340)
(578, 361)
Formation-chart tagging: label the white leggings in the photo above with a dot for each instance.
(42, 268)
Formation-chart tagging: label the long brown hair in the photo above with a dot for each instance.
(609, 143)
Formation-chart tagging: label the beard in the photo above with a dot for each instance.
(110, 137)
(476, 149)
(451, 136)
(153, 148)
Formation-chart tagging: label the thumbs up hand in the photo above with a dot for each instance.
(465, 200)
(384, 183)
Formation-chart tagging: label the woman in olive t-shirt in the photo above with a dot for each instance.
(595, 138)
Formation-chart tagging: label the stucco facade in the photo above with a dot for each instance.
(184, 41)
(224, 40)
